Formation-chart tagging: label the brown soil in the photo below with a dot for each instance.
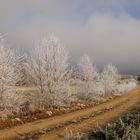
(56, 110)
(81, 120)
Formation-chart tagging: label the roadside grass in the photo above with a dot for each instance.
(126, 127)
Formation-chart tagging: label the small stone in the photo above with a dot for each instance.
(82, 105)
(18, 119)
(74, 121)
(35, 118)
(49, 113)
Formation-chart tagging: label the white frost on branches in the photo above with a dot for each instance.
(49, 68)
(8, 72)
(88, 71)
(125, 86)
(89, 75)
(110, 78)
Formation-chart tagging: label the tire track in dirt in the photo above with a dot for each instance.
(92, 123)
(35, 135)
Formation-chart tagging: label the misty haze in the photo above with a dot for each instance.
(69, 70)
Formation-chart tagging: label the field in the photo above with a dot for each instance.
(78, 121)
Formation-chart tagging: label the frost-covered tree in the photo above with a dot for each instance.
(48, 67)
(110, 78)
(89, 75)
(88, 71)
(21, 69)
(8, 65)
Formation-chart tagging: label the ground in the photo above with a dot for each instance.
(78, 121)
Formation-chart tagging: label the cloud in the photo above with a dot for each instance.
(106, 30)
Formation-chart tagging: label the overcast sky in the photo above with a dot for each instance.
(107, 30)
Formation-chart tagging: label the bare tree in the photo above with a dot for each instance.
(89, 75)
(8, 65)
(21, 70)
(48, 67)
(88, 71)
(110, 78)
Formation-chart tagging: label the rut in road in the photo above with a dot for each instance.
(105, 112)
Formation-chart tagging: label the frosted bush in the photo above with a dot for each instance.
(110, 77)
(125, 86)
(12, 101)
(99, 89)
(89, 75)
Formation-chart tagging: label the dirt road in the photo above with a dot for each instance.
(81, 120)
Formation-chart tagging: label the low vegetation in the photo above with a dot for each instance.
(126, 127)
